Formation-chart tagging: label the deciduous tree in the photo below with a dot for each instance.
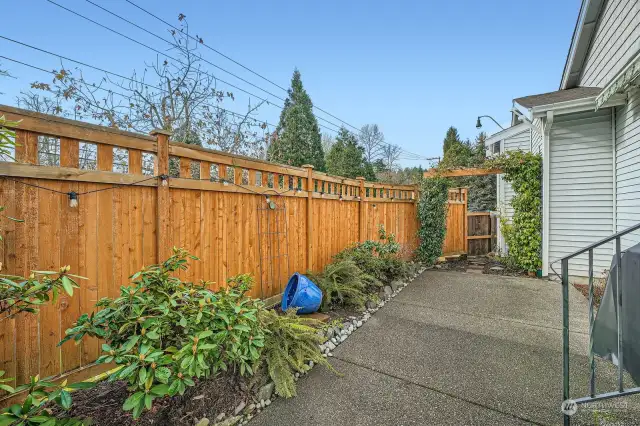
(372, 140)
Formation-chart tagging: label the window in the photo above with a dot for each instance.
(213, 171)
(48, 151)
(194, 168)
(120, 160)
(8, 153)
(87, 156)
(258, 181)
(148, 164)
(174, 167)
(495, 148)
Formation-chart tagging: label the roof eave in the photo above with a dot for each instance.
(576, 105)
(590, 11)
(507, 133)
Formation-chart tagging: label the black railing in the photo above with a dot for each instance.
(621, 391)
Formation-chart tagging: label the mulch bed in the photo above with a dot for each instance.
(459, 265)
(598, 292)
(103, 404)
(506, 269)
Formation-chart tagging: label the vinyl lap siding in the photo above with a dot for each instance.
(616, 42)
(581, 188)
(536, 137)
(628, 167)
(521, 142)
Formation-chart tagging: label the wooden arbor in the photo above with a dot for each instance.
(470, 171)
(457, 239)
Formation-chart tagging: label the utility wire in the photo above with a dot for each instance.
(417, 156)
(173, 44)
(179, 61)
(234, 61)
(255, 120)
(207, 46)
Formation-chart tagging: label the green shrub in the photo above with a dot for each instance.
(33, 409)
(290, 342)
(165, 333)
(523, 236)
(344, 284)
(432, 216)
(377, 258)
(18, 294)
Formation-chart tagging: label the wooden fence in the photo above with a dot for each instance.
(130, 215)
(467, 232)
(481, 233)
(455, 241)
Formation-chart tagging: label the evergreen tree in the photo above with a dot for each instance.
(482, 189)
(297, 139)
(452, 138)
(347, 158)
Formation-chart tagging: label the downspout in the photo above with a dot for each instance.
(615, 171)
(546, 153)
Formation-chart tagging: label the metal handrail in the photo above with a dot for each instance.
(565, 324)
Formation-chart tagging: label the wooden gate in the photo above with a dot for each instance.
(455, 240)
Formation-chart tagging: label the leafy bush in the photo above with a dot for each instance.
(165, 333)
(377, 258)
(33, 409)
(432, 215)
(18, 294)
(344, 284)
(290, 342)
(524, 234)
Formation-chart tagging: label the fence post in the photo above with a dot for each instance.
(163, 198)
(361, 207)
(309, 188)
(465, 193)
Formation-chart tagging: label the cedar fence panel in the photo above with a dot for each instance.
(481, 228)
(455, 240)
(115, 231)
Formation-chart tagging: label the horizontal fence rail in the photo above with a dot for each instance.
(139, 195)
(621, 390)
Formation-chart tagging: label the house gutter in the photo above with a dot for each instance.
(577, 105)
(546, 133)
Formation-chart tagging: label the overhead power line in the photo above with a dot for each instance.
(233, 113)
(181, 62)
(234, 61)
(201, 42)
(408, 153)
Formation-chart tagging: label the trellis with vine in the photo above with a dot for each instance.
(523, 236)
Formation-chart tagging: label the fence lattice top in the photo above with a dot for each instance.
(105, 155)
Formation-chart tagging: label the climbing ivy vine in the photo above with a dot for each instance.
(523, 170)
(432, 215)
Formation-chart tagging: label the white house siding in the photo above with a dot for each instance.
(522, 142)
(581, 188)
(536, 137)
(616, 41)
(628, 167)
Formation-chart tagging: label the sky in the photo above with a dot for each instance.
(412, 67)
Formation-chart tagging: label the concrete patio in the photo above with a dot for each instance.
(456, 348)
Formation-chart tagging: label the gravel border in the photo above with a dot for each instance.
(335, 337)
